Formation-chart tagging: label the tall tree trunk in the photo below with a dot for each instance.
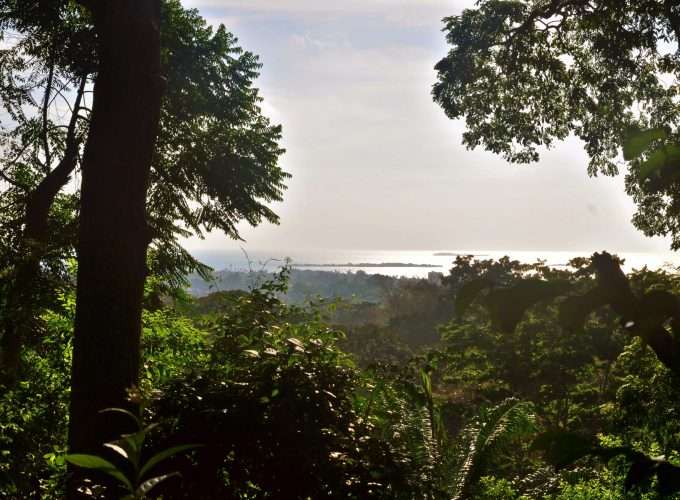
(113, 232)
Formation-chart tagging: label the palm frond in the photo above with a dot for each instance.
(490, 433)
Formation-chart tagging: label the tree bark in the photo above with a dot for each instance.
(113, 234)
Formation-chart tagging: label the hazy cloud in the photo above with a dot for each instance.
(375, 162)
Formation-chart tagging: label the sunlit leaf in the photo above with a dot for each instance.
(149, 484)
(117, 448)
(99, 464)
(426, 382)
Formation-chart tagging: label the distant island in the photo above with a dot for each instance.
(457, 254)
(368, 264)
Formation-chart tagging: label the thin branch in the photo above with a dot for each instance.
(58, 91)
(12, 181)
(75, 116)
(45, 108)
(16, 159)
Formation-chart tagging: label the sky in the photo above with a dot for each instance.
(377, 165)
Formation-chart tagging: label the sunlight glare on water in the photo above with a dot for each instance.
(338, 260)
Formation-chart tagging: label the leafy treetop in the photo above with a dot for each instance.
(526, 73)
(216, 157)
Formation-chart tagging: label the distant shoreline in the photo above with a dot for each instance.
(369, 264)
(458, 254)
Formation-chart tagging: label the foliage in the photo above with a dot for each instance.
(33, 414)
(137, 484)
(566, 373)
(645, 315)
(216, 160)
(285, 414)
(486, 438)
(33, 421)
(527, 73)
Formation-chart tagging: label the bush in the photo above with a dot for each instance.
(284, 413)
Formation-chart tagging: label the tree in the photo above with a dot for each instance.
(41, 154)
(527, 73)
(113, 233)
(215, 161)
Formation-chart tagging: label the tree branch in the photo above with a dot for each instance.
(643, 317)
(45, 108)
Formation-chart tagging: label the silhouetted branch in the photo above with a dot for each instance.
(45, 108)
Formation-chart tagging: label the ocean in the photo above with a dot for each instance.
(436, 260)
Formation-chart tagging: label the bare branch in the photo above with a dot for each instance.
(75, 116)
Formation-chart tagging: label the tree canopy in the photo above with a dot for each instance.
(217, 156)
(527, 73)
(215, 162)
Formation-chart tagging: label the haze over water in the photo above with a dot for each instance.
(332, 260)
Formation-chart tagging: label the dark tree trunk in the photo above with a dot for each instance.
(21, 296)
(113, 233)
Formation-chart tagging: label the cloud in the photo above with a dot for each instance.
(376, 163)
(314, 6)
(401, 12)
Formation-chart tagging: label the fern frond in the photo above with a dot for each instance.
(489, 433)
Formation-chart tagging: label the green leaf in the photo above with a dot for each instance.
(99, 464)
(663, 161)
(165, 454)
(89, 461)
(123, 411)
(426, 382)
(639, 140)
(149, 484)
(136, 440)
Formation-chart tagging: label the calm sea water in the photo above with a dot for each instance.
(237, 260)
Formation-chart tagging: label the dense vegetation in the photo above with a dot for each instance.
(294, 402)
(505, 380)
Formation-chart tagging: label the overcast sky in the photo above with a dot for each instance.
(377, 165)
